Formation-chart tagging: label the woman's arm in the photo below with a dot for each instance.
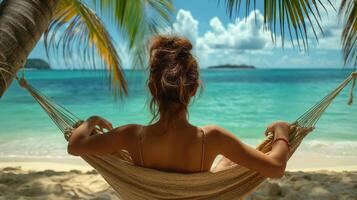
(271, 165)
(83, 142)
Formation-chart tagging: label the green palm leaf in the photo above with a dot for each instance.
(286, 15)
(348, 10)
(76, 28)
(84, 32)
(137, 20)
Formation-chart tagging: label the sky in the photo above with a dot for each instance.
(219, 39)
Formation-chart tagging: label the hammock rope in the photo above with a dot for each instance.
(135, 182)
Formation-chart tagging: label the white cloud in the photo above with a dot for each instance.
(332, 41)
(244, 34)
(186, 25)
(225, 43)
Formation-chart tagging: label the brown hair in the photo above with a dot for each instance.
(174, 74)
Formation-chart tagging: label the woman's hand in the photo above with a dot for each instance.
(281, 128)
(100, 122)
(88, 138)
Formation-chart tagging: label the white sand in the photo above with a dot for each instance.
(46, 164)
(309, 177)
(25, 178)
(317, 185)
(16, 183)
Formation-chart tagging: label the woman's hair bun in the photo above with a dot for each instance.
(175, 44)
(174, 75)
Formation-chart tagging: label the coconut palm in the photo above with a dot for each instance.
(21, 26)
(70, 25)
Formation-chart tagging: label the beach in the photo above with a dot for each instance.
(308, 176)
(34, 163)
(74, 179)
(278, 68)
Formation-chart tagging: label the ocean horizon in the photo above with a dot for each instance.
(241, 101)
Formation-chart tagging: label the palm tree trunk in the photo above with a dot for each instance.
(22, 23)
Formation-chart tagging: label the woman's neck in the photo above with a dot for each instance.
(174, 119)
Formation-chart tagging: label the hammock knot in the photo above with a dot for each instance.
(354, 74)
(22, 82)
(68, 131)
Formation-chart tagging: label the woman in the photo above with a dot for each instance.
(172, 143)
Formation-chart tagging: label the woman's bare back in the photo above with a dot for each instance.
(179, 149)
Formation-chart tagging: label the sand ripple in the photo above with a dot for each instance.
(16, 183)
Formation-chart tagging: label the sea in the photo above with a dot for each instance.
(241, 101)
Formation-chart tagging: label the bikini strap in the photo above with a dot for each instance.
(141, 146)
(203, 149)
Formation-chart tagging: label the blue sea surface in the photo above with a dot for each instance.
(242, 101)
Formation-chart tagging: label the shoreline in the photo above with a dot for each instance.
(311, 156)
(305, 163)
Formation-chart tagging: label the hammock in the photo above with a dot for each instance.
(135, 182)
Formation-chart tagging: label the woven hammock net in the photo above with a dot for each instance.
(135, 182)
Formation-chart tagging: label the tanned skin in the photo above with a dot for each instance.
(177, 147)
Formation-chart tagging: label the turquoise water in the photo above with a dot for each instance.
(244, 102)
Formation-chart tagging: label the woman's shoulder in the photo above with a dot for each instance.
(129, 131)
(215, 131)
(218, 139)
(128, 127)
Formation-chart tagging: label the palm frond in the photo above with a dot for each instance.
(280, 16)
(137, 20)
(84, 33)
(348, 10)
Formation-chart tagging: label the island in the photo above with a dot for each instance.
(229, 66)
(37, 64)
